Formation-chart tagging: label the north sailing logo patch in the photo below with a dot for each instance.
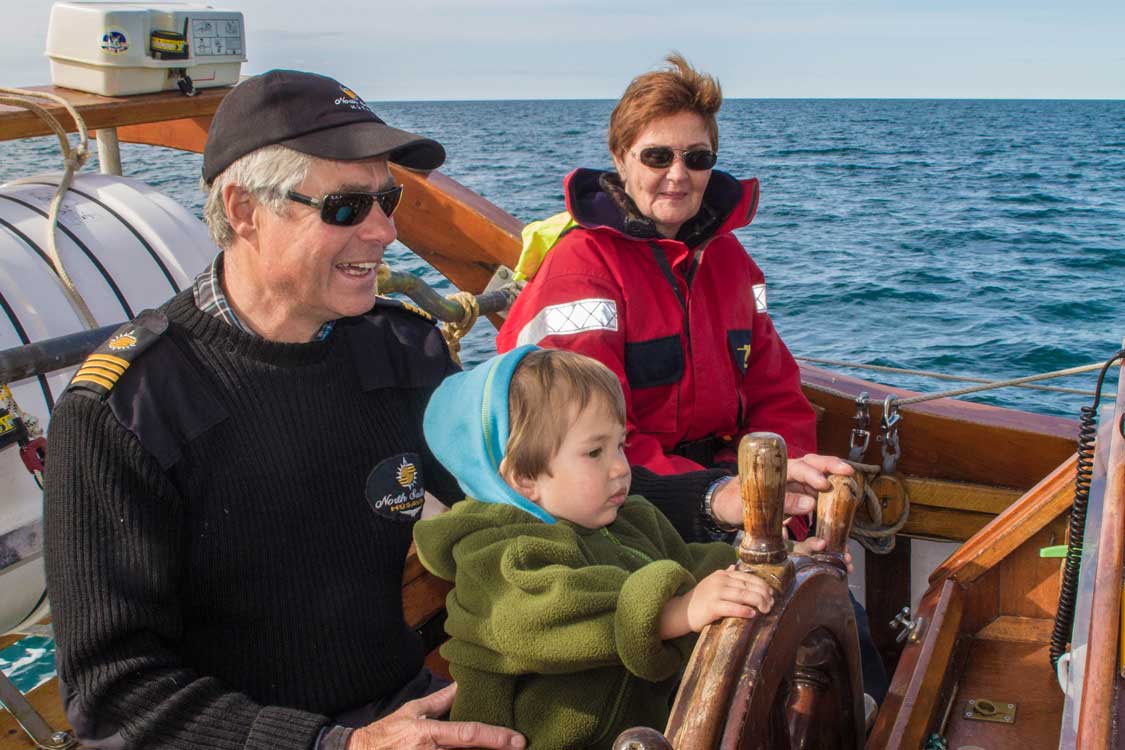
(395, 489)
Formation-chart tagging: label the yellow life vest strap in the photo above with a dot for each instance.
(538, 239)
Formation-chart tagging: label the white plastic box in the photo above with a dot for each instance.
(107, 47)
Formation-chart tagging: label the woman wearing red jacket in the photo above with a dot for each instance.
(653, 283)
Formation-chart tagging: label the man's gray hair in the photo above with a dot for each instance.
(268, 174)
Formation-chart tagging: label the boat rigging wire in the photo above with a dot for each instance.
(971, 389)
(1068, 588)
(73, 159)
(937, 375)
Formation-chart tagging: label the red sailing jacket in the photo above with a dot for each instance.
(682, 324)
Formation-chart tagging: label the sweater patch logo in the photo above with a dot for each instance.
(739, 343)
(395, 489)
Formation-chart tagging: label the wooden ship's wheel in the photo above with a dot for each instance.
(790, 678)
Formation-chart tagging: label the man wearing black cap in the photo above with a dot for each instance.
(234, 476)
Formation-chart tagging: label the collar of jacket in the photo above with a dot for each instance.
(597, 199)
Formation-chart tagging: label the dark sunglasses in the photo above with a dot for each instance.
(661, 157)
(348, 209)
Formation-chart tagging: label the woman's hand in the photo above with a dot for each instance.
(411, 728)
(806, 477)
(816, 544)
(724, 593)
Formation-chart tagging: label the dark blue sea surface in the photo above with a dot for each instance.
(976, 237)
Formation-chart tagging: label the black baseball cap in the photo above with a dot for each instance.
(310, 113)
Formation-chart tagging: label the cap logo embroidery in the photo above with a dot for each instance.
(351, 100)
(125, 341)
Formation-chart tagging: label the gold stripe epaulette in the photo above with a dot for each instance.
(99, 373)
(101, 369)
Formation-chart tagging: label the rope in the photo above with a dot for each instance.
(937, 375)
(876, 536)
(454, 332)
(73, 159)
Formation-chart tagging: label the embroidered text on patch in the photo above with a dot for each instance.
(395, 488)
(759, 297)
(569, 318)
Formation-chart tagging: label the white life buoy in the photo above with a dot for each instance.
(126, 247)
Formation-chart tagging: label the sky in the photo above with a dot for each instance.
(394, 50)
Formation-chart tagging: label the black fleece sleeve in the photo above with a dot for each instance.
(679, 497)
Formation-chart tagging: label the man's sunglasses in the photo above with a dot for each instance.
(661, 157)
(348, 209)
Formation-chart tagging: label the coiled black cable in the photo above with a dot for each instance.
(1068, 589)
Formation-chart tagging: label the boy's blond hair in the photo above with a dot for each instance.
(549, 389)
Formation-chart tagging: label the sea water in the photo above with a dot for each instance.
(983, 238)
(976, 237)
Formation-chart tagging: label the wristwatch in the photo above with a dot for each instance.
(709, 517)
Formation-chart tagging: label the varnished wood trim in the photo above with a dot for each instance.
(1018, 629)
(1031, 513)
(939, 523)
(977, 498)
(455, 230)
(188, 134)
(913, 696)
(945, 439)
(1096, 715)
(109, 111)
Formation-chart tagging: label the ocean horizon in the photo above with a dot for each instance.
(980, 237)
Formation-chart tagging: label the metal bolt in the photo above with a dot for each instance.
(968, 714)
(1010, 706)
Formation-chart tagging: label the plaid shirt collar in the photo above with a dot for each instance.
(209, 298)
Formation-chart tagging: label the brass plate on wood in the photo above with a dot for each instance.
(984, 709)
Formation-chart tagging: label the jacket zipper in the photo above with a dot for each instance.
(670, 276)
(609, 535)
(618, 703)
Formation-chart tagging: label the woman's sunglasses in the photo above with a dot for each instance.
(661, 157)
(348, 209)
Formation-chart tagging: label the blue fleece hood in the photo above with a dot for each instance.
(466, 426)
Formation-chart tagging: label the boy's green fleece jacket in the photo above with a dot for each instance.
(554, 627)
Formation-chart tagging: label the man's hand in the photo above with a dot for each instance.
(806, 477)
(411, 728)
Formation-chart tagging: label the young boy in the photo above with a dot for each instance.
(575, 607)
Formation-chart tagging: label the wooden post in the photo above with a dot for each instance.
(887, 587)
